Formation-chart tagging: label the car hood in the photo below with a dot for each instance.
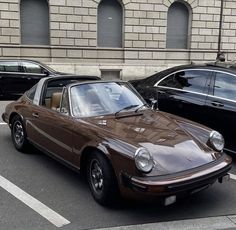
(173, 148)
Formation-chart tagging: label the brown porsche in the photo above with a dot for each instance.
(105, 129)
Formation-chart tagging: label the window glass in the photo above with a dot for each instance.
(110, 23)
(2, 67)
(31, 92)
(102, 98)
(109, 75)
(64, 103)
(11, 66)
(32, 67)
(177, 26)
(34, 17)
(192, 80)
(225, 86)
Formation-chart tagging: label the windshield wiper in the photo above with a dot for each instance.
(125, 108)
(141, 106)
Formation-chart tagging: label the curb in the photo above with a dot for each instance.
(211, 223)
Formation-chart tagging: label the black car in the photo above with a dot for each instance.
(17, 76)
(205, 93)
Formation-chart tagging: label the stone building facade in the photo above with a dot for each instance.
(148, 28)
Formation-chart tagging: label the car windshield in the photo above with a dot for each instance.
(97, 99)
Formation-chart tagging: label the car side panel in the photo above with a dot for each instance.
(52, 131)
(186, 104)
(221, 115)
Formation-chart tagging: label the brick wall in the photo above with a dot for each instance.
(73, 35)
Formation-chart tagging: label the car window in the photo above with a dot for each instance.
(32, 68)
(10, 67)
(2, 67)
(225, 85)
(31, 92)
(64, 103)
(192, 80)
(102, 98)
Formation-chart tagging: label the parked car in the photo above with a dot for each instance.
(203, 93)
(17, 76)
(105, 130)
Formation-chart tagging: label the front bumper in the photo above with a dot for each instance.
(185, 182)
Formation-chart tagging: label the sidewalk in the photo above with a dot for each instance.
(211, 223)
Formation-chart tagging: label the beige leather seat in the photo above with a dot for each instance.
(56, 100)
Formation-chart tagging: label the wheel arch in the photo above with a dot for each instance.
(86, 153)
(13, 114)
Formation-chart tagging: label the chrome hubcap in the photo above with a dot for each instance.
(18, 133)
(96, 176)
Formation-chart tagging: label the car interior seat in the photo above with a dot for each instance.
(56, 100)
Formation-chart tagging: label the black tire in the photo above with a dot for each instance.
(18, 134)
(102, 180)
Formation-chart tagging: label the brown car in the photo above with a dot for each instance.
(105, 130)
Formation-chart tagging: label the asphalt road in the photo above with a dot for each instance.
(67, 194)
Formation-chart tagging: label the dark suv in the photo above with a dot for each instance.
(17, 76)
(205, 93)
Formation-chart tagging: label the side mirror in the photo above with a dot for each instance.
(154, 103)
(64, 110)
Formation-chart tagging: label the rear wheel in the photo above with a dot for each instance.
(102, 180)
(18, 134)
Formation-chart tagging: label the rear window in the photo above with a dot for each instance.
(31, 92)
(32, 68)
(10, 67)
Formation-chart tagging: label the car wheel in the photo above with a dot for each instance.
(102, 180)
(18, 134)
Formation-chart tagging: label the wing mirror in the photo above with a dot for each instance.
(154, 103)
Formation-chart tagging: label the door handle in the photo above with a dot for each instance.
(217, 104)
(36, 115)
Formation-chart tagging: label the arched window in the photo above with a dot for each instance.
(34, 15)
(177, 26)
(110, 20)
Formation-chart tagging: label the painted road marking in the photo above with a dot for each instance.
(33, 203)
(3, 123)
(232, 176)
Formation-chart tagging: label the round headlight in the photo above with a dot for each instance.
(143, 160)
(217, 140)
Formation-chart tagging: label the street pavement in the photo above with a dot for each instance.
(65, 195)
(2, 108)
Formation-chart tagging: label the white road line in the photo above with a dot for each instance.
(232, 176)
(3, 123)
(33, 203)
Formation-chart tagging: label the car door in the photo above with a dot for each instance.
(33, 72)
(221, 106)
(51, 129)
(184, 93)
(13, 78)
